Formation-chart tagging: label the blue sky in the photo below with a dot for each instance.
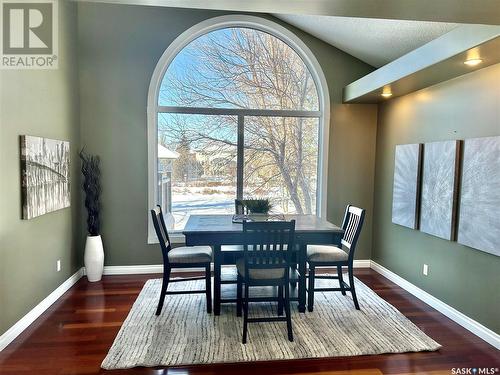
(189, 61)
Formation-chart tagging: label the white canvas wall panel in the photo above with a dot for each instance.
(406, 185)
(439, 183)
(479, 218)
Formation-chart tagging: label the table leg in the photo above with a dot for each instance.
(217, 279)
(302, 278)
(294, 269)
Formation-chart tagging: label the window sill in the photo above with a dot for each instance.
(175, 238)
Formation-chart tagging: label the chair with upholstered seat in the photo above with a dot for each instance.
(333, 256)
(266, 262)
(181, 257)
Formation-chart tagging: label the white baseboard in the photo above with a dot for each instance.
(158, 268)
(143, 269)
(470, 324)
(133, 270)
(38, 310)
(362, 263)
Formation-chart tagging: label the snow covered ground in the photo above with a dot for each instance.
(200, 200)
(206, 200)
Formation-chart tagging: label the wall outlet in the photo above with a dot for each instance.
(58, 265)
(425, 271)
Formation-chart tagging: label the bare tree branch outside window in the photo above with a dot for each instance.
(240, 68)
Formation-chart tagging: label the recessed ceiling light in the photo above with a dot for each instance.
(386, 91)
(473, 62)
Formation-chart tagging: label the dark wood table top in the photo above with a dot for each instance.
(223, 224)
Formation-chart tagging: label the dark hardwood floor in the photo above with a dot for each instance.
(74, 335)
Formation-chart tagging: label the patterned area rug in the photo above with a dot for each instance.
(185, 334)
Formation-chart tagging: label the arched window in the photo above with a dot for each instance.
(238, 108)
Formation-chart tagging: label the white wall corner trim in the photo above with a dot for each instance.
(38, 310)
(468, 323)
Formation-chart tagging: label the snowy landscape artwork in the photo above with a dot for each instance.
(479, 220)
(439, 178)
(406, 183)
(45, 185)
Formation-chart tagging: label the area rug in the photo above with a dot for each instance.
(185, 334)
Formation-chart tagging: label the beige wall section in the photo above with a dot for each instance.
(351, 167)
(119, 47)
(42, 103)
(465, 278)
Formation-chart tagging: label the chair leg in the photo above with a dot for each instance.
(341, 279)
(208, 288)
(310, 289)
(239, 295)
(245, 315)
(280, 300)
(351, 287)
(287, 312)
(294, 282)
(164, 286)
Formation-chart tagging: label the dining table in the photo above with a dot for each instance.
(226, 239)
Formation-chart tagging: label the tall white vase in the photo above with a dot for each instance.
(94, 258)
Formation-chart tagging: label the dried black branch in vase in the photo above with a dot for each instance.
(92, 188)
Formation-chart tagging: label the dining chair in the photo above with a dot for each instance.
(181, 257)
(333, 256)
(266, 262)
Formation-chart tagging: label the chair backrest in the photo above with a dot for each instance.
(161, 231)
(267, 244)
(352, 224)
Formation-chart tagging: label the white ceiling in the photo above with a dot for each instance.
(374, 41)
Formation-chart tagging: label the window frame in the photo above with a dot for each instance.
(207, 26)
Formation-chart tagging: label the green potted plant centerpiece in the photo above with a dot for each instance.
(94, 251)
(258, 209)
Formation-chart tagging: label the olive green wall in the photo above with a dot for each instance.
(465, 278)
(42, 103)
(351, 166)
(119, 47)
(102, 104)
